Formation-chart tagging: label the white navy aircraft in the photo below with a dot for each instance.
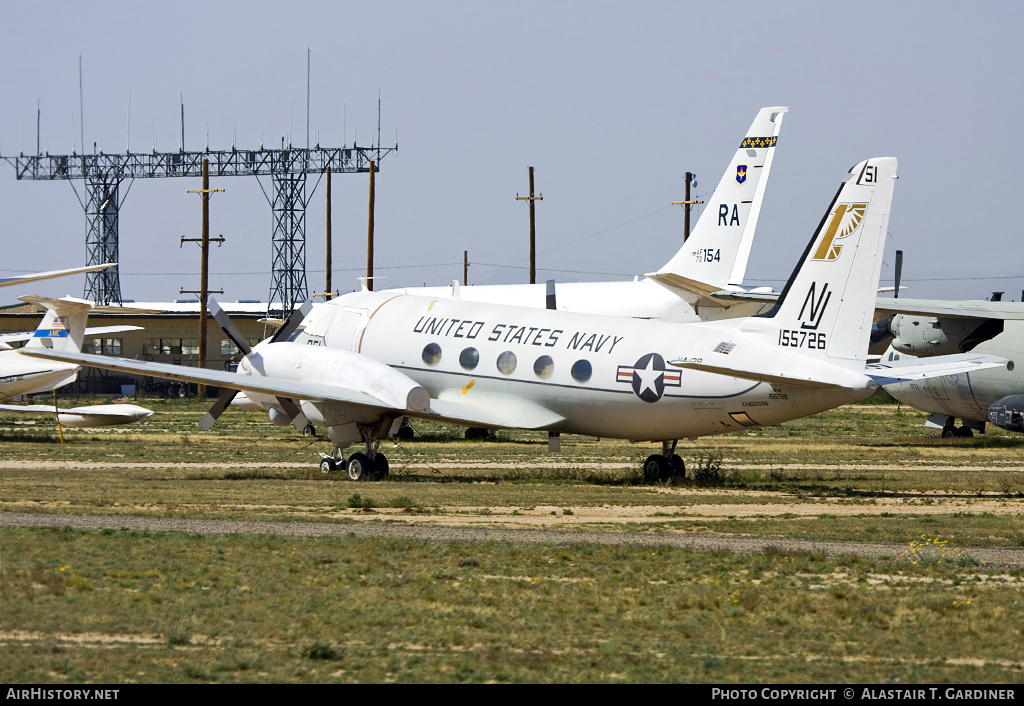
(713, 258)
(360, 363)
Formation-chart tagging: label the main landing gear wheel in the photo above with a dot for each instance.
(309, 430)
(380, 467)
(678, 467)
(328, 465)
(656, 469)
(358, 466)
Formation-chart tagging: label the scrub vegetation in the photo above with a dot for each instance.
(115, 606)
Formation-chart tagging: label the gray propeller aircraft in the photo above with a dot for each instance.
(989, 327)
(360, 363)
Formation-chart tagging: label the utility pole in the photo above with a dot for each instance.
(899, 273)
(369, 235)
(687, 204)
(328, 290)
(465, 268)
(533, 228)
(204, 268)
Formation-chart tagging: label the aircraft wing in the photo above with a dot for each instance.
(97, 415)
(908, 369)
(36, 276)
(952, 309)
(217, 378)
(489, 410)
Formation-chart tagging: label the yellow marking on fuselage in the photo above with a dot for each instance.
(431, 305)
(466, 388)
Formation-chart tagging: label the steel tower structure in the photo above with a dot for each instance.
(287, 167)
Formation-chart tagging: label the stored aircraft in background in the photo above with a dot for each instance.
(360, 363)
(712, 259)
(926, 328)
(61, 328)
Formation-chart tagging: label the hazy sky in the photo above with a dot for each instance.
(610, 102)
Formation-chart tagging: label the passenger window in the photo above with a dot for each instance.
(581, 371)
(544, 367)
(432, 354)
(469, 358)
(507, 363)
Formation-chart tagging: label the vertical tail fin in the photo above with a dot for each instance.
(717, 250)
(63, 325)
(827, 307)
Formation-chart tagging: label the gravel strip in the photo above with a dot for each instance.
(1009, 557)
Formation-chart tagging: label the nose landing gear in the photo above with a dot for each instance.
(371, 465)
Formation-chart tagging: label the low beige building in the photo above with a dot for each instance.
(170, 337)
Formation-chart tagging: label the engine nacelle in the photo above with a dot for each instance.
(340, 368)
(1008, 413)
(279, 419)
(925, 336)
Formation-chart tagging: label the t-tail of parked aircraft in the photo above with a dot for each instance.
(62, 329)
(825, 312)
(63, 325)
(715, 255)
(713, 258)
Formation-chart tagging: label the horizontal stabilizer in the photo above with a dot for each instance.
(91, 331)
(738, 297)
(683, 286)
(908, 369)
(751, 360)
(93, 308)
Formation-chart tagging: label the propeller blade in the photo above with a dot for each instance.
(293, 322)
(223, 400)
(228, 326)
(299, 420)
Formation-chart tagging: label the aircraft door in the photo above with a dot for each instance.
(346, 329)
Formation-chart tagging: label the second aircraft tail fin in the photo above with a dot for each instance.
(63, 324)
(827, 307)
(717, 250)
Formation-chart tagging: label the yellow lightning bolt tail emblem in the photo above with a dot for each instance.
(845, 220)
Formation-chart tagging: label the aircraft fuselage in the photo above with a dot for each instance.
(603, 376)
(969, 395)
